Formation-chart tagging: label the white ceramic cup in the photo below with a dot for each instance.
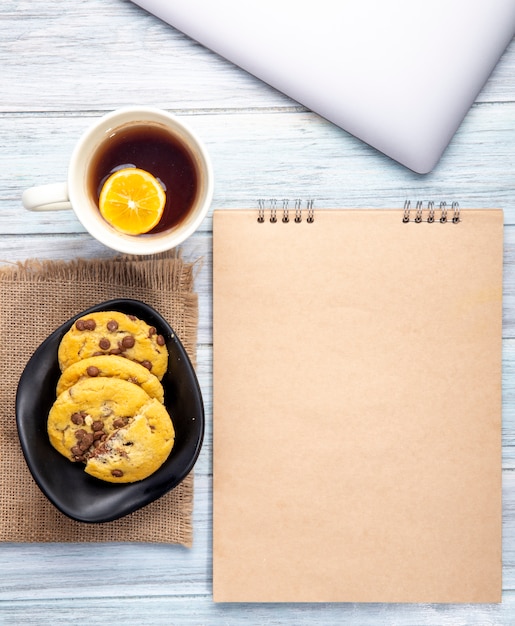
(76, 193)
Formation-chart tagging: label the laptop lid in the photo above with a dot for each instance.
(399, 75)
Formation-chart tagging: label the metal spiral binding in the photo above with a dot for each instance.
(418, 217)
(431, 213)
(286, 218)
(311, 212)
(407, 206)
(431, 209)
(273, 210)
(261, 211)
(456, 211)
(443, 209)
(298, 211)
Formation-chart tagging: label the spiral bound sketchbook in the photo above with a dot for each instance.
(357, 404)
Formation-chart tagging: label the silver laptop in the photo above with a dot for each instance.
(398, 74)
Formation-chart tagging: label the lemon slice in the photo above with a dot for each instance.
(132, 201)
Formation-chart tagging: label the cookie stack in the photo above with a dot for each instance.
(109, 411)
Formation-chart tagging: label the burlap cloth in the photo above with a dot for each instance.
(35, 299)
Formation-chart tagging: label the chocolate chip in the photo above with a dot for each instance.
(152, 331)
(160, 340)
(112, 325)
(128, 341)
(98, 434)
(79, 434)
(97, 425)
(76, 451)
(104, 343)
(132, 317)
(90, 324)
(120, 422)
(80, 325)
(92, 371)
(77, 419)
(115, 351)
(147, 364)
(87, 440)
(117, 473)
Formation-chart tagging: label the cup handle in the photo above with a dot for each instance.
(53, 197)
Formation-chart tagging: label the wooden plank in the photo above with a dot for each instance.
(163, 571)
(199, 611)
(111, 54)
(267, 155)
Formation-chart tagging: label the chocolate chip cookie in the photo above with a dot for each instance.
(114, 427)
(109, 333)
(111, 367)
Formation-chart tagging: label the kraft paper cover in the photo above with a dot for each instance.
(357, 408)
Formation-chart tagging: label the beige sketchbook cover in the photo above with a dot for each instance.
(357, 407)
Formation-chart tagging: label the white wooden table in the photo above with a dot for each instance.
(63, 64)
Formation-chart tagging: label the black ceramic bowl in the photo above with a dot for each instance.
(82, 497)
